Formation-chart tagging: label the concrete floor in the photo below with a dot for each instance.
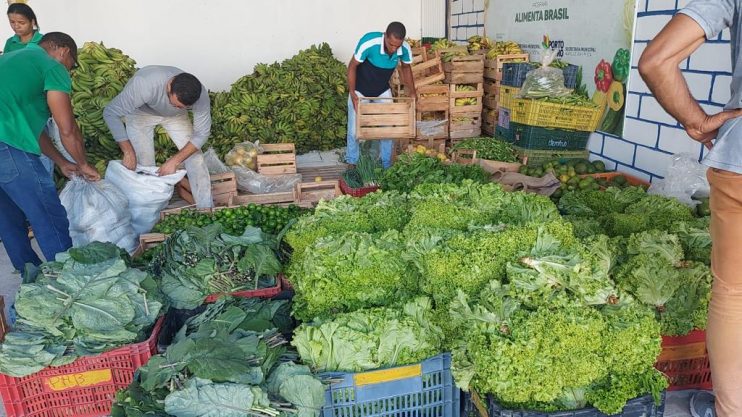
(677, 402)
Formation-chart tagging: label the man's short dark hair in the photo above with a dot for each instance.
(397, 30)
(186, 87)
(60, 40)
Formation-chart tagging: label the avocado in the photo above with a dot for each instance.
(599, 166)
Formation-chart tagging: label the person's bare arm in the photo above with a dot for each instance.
(352, 66)
(658, 67)
(408, 80)
(61, 109)
(47, 148)
(171, 165)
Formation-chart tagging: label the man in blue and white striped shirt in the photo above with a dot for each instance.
(376, 56)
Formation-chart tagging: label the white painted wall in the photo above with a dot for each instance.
(220, 41)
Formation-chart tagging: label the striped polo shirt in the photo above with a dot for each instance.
(372, 76)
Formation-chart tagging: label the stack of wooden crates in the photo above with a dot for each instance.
(464, 76)
(492, 86)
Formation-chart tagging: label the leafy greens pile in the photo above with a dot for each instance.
(412, 169)
(86, 302)
(196, 262)
(225, 362)
(489, 148)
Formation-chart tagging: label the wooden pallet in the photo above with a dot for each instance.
(277, 159)
(438, 102)
(394, 118)
(313, 192)
(453, 95)
(223, 189)
(493, 67)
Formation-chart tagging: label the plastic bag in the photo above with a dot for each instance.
(544, 81)
(98, 211)
(431, 128)
(214, 164)
(685, 178)
(252, 182)
(244, 154)
(146, 192)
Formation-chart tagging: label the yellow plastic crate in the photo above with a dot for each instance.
(507, 95)
(561, 116)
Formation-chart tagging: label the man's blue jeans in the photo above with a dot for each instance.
(27, 193)
(352, 151)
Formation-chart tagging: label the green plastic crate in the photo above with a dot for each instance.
(541, 138)
(539, 156)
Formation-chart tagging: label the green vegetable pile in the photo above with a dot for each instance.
(364, 174)
(271, 219)
(86, 302)
(489, 148)
(196, 262)
(557, 334)
(413, 169)
(225, 362)
(281, 103)
(370, 339)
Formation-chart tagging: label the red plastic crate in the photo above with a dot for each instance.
(84, 388)
(356, 192)
(685, 361)
(259, 293)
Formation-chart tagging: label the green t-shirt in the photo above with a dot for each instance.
(25, 77)
(14, 42)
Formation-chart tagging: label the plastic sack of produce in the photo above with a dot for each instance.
(252, 182)
(98, 211)
(147, 192)
(213, 163)
(544, 81)
(685, 178)
(244, 154)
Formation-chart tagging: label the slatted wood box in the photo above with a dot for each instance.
(477, 94)
(464, 69)
(223, 189)
(493, 67)
(427, 102)
(277, 159)
(462, 126)
(428, 72)
(389, 118)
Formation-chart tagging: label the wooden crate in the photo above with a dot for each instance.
(277, 159)
(288, 197)
(223, 189)
(441, 133)
(464, 70)
(313, 192)
(493, 67)
(453, 95)
(148, 240)
(462, 129)
(394, 118)
(488, 129)
(439, 102)
(427, 72)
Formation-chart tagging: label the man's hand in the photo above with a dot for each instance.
(130, 160)
(354, 99)
(169, 167)
(708, 128)
(68, 169)
(88, 172)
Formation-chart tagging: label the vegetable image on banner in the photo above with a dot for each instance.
(594, 35)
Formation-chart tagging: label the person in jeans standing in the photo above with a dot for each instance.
(698, 21)
(160, 95)
(372, 65)
(34, 83)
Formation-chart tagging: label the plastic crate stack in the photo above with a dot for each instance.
(493, 74)
(539, 129)
(465, 79)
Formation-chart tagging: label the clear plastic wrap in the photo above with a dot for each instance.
(244, 154)
(431, 128)
(213, 163)
(252, 182)
(685, 178)
(544, 81)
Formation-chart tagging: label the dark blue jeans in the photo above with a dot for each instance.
(27, 194)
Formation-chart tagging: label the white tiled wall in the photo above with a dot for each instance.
(466, 19)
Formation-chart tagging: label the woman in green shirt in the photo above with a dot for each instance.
(23, 21)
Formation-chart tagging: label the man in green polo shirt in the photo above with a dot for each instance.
(34, 83)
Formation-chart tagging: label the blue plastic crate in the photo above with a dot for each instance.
(637, 407)
(570, 76)
(426, 389)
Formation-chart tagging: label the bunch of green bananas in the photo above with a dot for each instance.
(414, 43)
(465, 87)
(477, 43)
(302, 100)
(441, 44)
(504, 48)
(100, 76)
(465, 101)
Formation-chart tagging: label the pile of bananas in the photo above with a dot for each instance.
(414, 43)
(477, 43)
(452, 52)
(283, 103)
(432, 115)
(504, 48)
(465, 101)
(462, 119)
